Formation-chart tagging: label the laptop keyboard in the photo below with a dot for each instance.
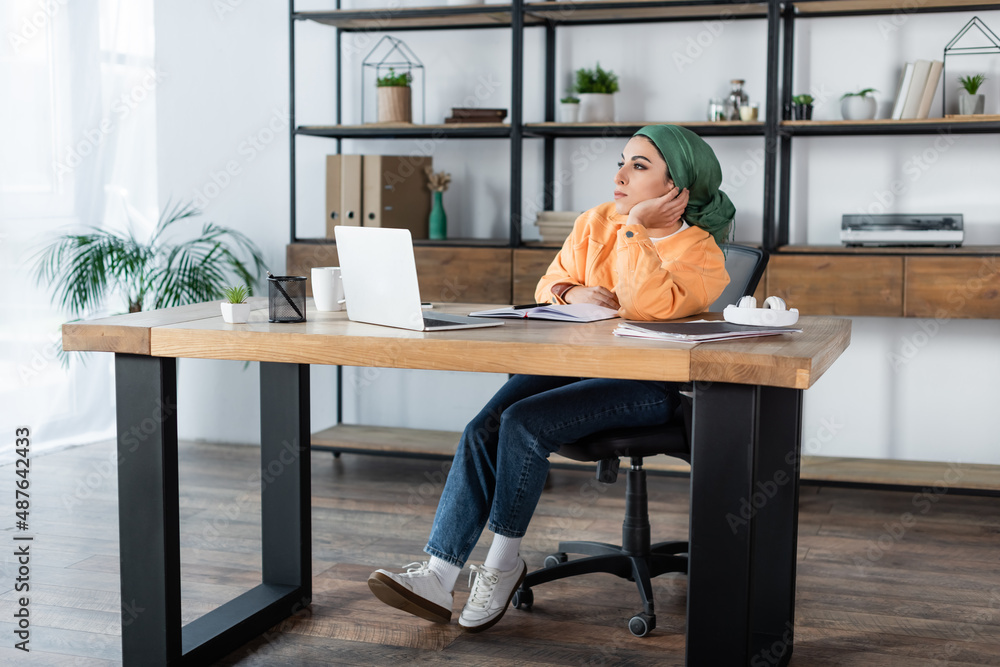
(431, 322)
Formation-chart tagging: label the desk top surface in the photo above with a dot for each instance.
(540, 347)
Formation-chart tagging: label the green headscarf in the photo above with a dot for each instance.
(692, 164)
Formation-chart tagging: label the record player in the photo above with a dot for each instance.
(902, 229)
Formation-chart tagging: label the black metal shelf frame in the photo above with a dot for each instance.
(522, 15)
(789, 13)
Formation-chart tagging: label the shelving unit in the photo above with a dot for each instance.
(887, 282)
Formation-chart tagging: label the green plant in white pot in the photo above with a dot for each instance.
(596, 89)
(859, 106)
(235, 309)
(970, 100)
(569, 109)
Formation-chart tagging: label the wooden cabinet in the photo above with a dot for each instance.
(446, 274)
(530, 264)
(838, 284)
(952, 287)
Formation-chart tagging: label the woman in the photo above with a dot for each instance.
(653, 253)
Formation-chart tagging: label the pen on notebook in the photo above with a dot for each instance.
(529, 305)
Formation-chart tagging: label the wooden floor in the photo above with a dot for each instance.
(885, 578)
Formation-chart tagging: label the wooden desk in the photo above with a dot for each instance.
(744, 473)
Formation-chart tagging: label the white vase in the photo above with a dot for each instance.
(969, 104)
(858, 108)
(569, 112)
(235, 313)
(597, 107)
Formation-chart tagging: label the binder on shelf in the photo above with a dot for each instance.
(395, 193)
(343, 191)
(377, 191)
(924, 110)
(915, 94)
(901, 91)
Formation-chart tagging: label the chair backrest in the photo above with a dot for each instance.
(745, 266)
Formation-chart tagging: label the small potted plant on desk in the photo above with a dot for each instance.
(569, 109)
(971, 101)
(235, 309)
(394, 99)
(858, 106)
(596, 88)
(802, 106)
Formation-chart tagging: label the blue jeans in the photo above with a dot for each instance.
(502, 459)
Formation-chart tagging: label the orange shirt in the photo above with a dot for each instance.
(677, 276)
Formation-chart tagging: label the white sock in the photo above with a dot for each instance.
(445, 571)
(503, 553)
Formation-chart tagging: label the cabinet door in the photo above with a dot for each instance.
(530, 265)
(838, 284)
(953, 287)
(449, 275)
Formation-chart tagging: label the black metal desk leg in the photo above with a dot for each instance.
(284, 467)
(744, 518)
(148, 517)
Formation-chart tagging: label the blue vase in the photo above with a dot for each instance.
(437, 224)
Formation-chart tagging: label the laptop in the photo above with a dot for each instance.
(380, 282)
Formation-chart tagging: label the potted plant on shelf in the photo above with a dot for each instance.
(858, 106)
(971, 101)
(569, 109)
(235, 309)
(394, 99)
(596, 88)
(802, 107)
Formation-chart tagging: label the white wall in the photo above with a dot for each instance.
(906, 389)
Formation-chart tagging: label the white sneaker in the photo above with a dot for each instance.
(417, 591)
(490, 595)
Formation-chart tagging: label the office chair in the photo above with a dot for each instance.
(636, 559)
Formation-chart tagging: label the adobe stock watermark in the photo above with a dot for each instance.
(957, 298)
(765, 490)
(913, 169)
(35, 24)
(696, 44)
(121, 108)
(893, 532)
(248, 150)
(899, 17)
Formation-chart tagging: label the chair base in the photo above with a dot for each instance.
(663, 557)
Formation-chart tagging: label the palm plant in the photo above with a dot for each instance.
(85, 269)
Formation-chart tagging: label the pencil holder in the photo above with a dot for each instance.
(286, 299)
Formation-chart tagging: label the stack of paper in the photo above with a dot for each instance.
(555, 226)
(696, 332)
(915, 92)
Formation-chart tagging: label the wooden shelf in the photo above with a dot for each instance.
(420, 443)
(630, 11)
(810, 8)
(416, 18)
(956, 125)
(845, 250)
(408, 131)
(628, 128)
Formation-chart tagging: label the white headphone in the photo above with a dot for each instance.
(775, 312)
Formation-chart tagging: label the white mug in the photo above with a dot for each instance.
(328, 288)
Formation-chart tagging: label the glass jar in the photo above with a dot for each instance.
(717, 110)
(737, 99)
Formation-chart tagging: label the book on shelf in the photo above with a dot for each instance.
(915, 93)
(933, 76)
(696, 332)
(570, 312)
(901, 90)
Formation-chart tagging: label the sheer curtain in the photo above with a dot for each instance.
(77, 149)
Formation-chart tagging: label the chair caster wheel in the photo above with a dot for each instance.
(555, 559)
(642, 624)
(523, 599)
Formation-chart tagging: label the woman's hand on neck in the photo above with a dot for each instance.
(664, 214)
